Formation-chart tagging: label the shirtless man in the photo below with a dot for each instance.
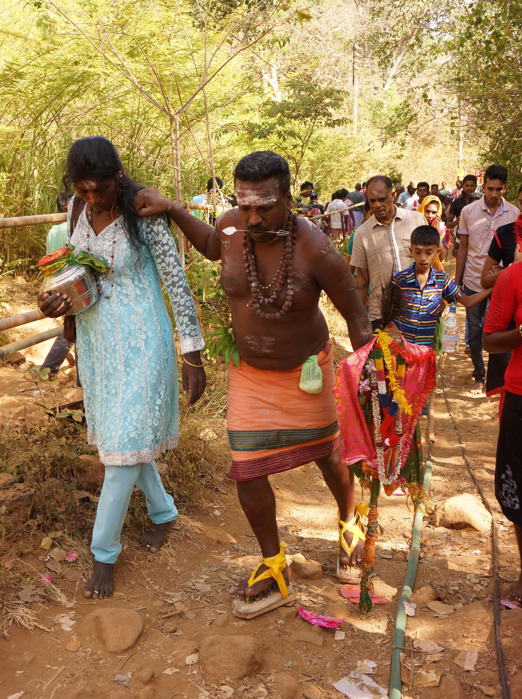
(274, 267)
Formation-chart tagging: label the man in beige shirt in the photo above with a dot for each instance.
(381, 246)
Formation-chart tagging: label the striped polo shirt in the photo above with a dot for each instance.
(421, 307)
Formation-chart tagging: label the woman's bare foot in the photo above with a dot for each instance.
(154, 539)
(260, 589)
(101, 583)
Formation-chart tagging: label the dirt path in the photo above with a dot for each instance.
(169, 632)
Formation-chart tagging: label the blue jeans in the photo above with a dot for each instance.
(114, 501)
(476, 317)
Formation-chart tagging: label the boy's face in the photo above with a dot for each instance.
(424, 256)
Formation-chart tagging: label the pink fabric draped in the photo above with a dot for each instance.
(357, 442)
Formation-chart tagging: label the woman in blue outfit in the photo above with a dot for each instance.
(126, 349)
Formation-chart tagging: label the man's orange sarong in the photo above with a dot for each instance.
(273, 425)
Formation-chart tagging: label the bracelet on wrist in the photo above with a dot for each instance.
(196, 366)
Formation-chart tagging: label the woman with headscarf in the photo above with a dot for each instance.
(125, 347)
(431, 209)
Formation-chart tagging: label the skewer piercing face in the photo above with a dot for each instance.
(262, 207)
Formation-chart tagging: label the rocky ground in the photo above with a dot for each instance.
(169, 632)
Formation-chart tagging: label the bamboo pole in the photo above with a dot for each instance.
(20, 221)
(30, 341)
(20, 319)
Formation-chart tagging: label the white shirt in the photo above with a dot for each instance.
(337, 205)
(412, 202)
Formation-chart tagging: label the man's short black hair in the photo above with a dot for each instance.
(62, 201)
(435, 185)
(210, 183)
(343, 193)
(470, 178)
(380, 178)
(314, 195)
(260, 166)
(422, 184)
(425, 235)
(496, 172)
(306, 186)
(520, 189)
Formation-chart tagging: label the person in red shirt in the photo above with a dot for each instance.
(506, 302)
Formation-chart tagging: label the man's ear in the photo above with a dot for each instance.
(289, 200)
(411, 250)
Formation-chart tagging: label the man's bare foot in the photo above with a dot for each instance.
(260, 589)
(154, 539)
(355, 560)
(101, 583)
(477, 389)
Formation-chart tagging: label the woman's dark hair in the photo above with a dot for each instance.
(425, 235)
(260, 166)
(95, 158)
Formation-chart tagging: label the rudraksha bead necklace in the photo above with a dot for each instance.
(285, 273)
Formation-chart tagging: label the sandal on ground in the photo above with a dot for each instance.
(248, 609)
(349, 573)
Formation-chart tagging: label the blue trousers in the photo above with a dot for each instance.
(476, 317)
(114, 501)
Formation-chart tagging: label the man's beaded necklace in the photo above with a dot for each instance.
(284, 273)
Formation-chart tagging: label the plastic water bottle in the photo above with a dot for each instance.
(450, 343)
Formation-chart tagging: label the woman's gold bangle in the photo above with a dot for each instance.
(196, 366)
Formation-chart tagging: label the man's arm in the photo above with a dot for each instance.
(149, 202)
(452, 222)
(490, 272)
(462, 256)
(362, 284)
(334, 277)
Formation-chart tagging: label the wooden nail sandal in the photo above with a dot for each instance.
(348, 573)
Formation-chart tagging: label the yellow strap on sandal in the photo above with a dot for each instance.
(354, 527)
(275, 564)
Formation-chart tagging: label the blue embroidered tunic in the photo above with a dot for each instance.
(125, 342)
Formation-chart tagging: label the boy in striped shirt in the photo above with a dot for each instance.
(423, 289)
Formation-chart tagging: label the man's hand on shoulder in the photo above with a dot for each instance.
(150, 202)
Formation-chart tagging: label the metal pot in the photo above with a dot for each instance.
(78, 283)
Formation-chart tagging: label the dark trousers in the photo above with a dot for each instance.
(476, 317)
(57, 354)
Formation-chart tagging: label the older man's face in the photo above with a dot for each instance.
(380, 199)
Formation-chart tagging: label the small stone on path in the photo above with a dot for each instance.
(233, 657)
(303, 568)
(115, 629)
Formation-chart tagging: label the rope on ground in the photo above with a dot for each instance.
(494, 531)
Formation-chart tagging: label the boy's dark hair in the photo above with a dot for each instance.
(425, 235)
(423, 184)
(520, 189)
(260, 166)
(210, 183)
(343, 193)
(307, 185)
(496, 172)
(62, 201)
(470, 178)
